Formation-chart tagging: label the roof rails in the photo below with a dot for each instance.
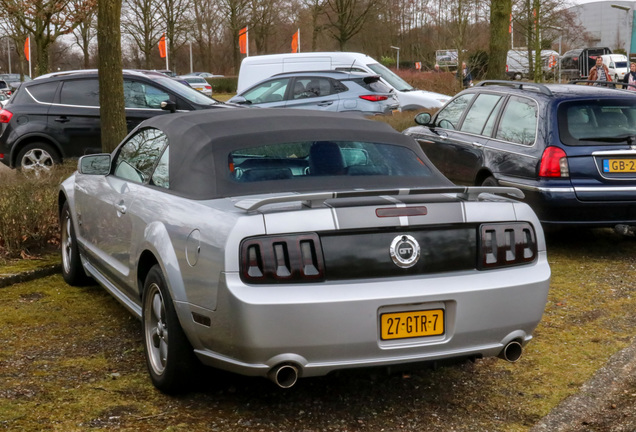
(608, 84)
(541, 88)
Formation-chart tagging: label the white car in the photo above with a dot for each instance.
(198, 83)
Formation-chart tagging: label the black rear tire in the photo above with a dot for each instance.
(490, 181)
(37, 158)
(72, 269)
(170, 360)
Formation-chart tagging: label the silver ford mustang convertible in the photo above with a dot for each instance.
(291, 243)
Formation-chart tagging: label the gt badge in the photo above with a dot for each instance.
(405, 251)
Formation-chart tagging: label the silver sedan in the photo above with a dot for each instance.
(292, 243)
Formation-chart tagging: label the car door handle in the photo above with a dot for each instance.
(477, 145)
(325, 103)
(121, 208)
(443, 135)
(62, 119)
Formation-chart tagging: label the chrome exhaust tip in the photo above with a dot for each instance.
(284, 375)
(512, 352)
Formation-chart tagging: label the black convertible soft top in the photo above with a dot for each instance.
(200, 142)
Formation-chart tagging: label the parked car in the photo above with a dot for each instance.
(327, 91)
(57, 116)
(5, 88)
(205, 75)
(576, 63)
(14, 80)
(256, 68)
(617, 64)
(3, 98)
(570, 148)
(198, 83)
(292, 243)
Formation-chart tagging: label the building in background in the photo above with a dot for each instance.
(610, 24)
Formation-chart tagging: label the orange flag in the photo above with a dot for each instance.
(27, 49)
(162, 46)
(243, 40)
(295, 46)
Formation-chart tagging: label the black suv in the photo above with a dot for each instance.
(57, 116)
(570, 148)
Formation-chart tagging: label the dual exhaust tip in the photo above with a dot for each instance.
(285, 375)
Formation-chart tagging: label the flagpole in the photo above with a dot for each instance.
(30, 56)
(247, 41)
(166, 40)
(298, 39)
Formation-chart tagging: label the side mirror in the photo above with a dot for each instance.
(96, 164)
(423, 119)
(239, 100)
(168, 105)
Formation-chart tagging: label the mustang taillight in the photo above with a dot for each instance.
(554, 163)
(506, 244)
(282, 259)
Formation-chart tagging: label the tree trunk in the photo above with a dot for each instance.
(111, 82)
(500, 11)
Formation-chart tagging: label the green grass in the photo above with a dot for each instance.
(72, 359)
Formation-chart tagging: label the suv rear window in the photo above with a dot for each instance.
(80, 92)
(43, 92)
(373, 85)
(597, 121)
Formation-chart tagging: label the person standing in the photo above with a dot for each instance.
(467, 77)
(600, 72)
(630, 77)
(436, 68)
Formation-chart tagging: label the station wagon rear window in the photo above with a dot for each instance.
(597, 122)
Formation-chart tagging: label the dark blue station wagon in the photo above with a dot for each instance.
(570, 148)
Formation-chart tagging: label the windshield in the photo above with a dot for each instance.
(186, 92)
(600, 121)
(621, 64)
(387, 75)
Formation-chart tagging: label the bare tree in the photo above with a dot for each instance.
(207, 30)
(177, 24)
(140, 21)
(87, 27)
(500, 12)
(236, 16)
(347, 18)
(111, 81)
(45, 20)
(316, 9)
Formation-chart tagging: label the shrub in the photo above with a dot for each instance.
(444, 82)
(29, 222)
(223, 84)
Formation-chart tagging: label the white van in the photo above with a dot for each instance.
(617, 64)
(257, 68)
(518, 67)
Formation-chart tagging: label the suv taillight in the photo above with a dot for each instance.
(506, 244)
(554, 163)
(282, 259)
(373, 98)
(5, 116)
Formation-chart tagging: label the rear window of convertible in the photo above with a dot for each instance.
(309, 160)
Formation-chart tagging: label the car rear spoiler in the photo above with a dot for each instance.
(318, 198)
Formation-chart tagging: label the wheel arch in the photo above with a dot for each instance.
(482, 175)
(34, 138)
(146, 261)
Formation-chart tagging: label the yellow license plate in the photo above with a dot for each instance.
(402, 325)
(619, 165)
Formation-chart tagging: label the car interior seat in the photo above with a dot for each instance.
(313, 87)
(299, 90)
(613, 119)
(325, 158)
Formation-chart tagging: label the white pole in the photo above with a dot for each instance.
(167, 68)
(298, 39)
(9, 53)
(247, 41)
(191, 57)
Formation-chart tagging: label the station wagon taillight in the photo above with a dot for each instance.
(373, 98)
(506, 244)
(5, 116)
(282, 259)
(554, 163)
